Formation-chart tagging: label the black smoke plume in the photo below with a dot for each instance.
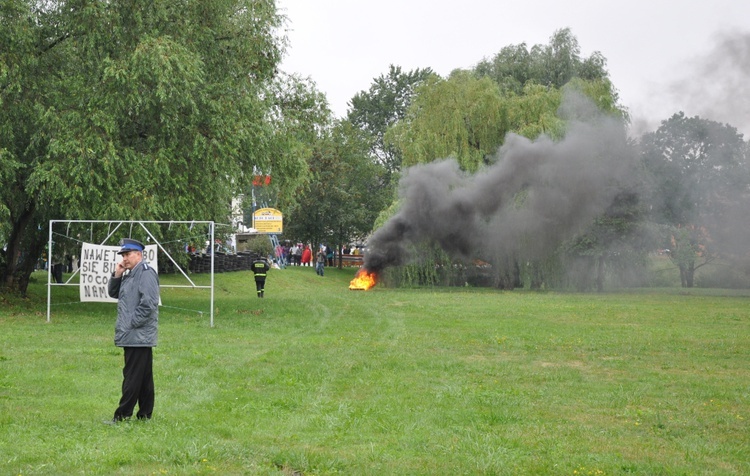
(532, 196)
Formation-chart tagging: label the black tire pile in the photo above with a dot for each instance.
(223, 263)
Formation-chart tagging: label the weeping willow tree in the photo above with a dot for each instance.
(462, 117)
(431, 267)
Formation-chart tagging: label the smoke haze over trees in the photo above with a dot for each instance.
(522, 207)
(698, 177)
(540, 198)
(507, 215)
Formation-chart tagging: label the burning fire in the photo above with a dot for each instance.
(363, 280)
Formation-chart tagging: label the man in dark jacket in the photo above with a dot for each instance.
(135, 284)
(260, 269)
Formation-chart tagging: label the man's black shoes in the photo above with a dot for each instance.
(114, 421)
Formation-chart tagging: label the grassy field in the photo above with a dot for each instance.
(317, 379)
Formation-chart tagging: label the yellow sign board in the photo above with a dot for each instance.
(268, 220)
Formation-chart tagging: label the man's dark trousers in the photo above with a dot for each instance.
(137, 383)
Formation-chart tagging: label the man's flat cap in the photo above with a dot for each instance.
(128, 244)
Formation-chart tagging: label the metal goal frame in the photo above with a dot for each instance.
(144, 224)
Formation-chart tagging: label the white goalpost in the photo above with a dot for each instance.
(113, 227)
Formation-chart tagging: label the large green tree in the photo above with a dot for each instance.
(461, 117)
(132, 110)
(615, 245)
(551, 65)
(299, 116)
(344, 196)
(467, 117)
(699, 178)
(383, 105)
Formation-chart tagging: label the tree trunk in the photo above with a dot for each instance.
(690, 275)
(600, 274)
(536, 279)
(687, 274)
(517, 281)
(18, 267)
(337, 256)
(26, 267)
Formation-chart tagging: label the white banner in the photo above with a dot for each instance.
(96, 266)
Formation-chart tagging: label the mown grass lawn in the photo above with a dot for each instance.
(317, 379)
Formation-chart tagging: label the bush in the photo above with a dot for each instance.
(261, 245)
(722, 276)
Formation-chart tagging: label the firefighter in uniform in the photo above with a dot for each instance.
(260, 268)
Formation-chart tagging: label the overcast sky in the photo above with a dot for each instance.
(663, 55)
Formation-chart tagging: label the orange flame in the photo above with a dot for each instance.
(363, 280)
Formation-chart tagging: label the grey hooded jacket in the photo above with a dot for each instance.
(137, 294)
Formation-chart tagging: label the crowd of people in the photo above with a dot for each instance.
(299, 254)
